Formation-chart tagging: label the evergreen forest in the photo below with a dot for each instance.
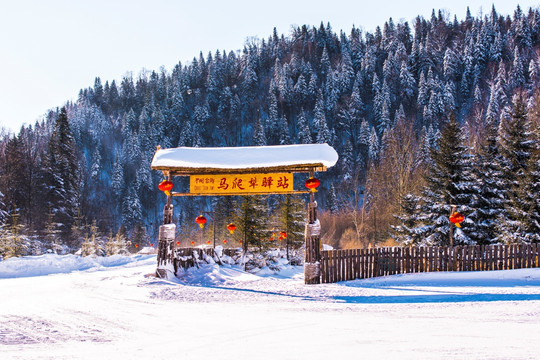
(427, 117)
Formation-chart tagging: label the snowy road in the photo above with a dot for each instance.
(117, 312)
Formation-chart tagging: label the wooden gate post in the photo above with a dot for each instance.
(165, 259)
(312, 263)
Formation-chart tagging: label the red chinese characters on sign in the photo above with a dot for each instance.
(241, 183)
(283, 183)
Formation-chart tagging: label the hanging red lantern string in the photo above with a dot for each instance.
(201, 220)
(166, 186)
(456, 218)
(312, 184)
(231, 227)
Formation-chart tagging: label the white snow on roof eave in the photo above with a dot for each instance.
(245, 157)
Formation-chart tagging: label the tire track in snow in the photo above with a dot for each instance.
(23, 330)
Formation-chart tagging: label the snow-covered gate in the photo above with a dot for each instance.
(252, 170)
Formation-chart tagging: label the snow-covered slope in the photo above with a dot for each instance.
(114, 309)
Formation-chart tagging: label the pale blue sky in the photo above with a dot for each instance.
(50, 49)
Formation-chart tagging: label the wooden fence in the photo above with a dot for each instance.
(342, 265)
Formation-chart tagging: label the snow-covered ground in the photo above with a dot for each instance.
(67, 307)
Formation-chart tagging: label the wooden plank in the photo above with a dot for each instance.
(534, 251)
(324, 266)
(444, 258)
(513, 257)
(344, 276)
(489, 257)
(393, 257)
(505, 258)
(457, 258)
(353, 263)
(450, 259)
(349, 265)
(400, 260)
(357, 263)
(342, 264)
(370, 263)
(477, 256)
(334, 266)
(529, 255)
(363, 264)
(497, 257)
(337, 266)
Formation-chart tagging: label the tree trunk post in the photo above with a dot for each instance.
(165, 257)
(312, 263)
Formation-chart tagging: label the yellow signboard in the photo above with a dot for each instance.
(241, 183)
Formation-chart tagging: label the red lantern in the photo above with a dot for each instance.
(456, 218)
(231, 227)
(280, 238)
(208, 242)
(166, 186)
(151, 245)
(178, 243)
(201, 220)
(271, 239)
(312, 184)
(283, 234)
(193, 243)
(225, 241)
(136, 245)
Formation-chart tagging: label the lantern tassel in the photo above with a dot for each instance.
(458, 225)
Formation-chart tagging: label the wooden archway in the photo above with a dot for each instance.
(242, 171)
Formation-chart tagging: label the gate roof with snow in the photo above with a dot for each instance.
(184, 161)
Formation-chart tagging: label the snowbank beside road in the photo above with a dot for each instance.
(60, 264)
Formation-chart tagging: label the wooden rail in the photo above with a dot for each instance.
(342, 265)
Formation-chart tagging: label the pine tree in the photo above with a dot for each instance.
(259, 138)
(516, 147)
(304, 134)
(52, 234)
(448, 184)
(251, 220)
(518, 72)
(489, 194)
(131, 207)
(410, 230)
(292, 220)
(333, 205)
(61, 174)
(138, 237)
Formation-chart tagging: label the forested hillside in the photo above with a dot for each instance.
(423, 115)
